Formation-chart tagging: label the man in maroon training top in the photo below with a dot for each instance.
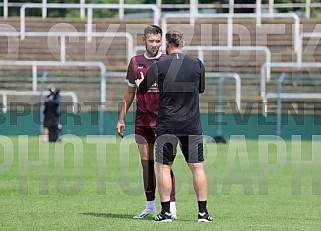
(146, 115)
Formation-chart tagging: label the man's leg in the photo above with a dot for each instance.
(199, 180)
(165, 155)
(164, 183)
(149, 179)
(200, 187)
(45, 137)
(192, 148)
(147, 161)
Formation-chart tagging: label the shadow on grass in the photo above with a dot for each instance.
(108, 215)
(120, 216)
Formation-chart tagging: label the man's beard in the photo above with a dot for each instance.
(151, 52)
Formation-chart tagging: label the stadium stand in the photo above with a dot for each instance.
(112, 52)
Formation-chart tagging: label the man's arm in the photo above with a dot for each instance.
(127, 102)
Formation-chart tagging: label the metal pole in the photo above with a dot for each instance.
(82, 9)
(231, 7)
(22, 23)
(219, 131)
(230, 24)
(63, 48)
(193, 11)
(4, 102)
(121, 9)
(5, 8)
(230, 30)
(258, 12)
(89, 23)
(271, 6)
(34, 77)
(44, 9)
(159, 6)
(102, 103)
(279, 105)
(42, 106)
(307, 8)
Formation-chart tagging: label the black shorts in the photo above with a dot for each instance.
(191, 146)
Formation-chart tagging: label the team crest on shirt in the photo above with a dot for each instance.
(140, 68)
(153, 88)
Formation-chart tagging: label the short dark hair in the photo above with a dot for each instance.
(175, 38)
(153, 29)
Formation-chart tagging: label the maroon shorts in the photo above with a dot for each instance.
(145, 134)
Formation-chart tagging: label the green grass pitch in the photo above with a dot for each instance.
(91, 183)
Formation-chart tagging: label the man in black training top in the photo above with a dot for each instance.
(180, 79)
(51, 115)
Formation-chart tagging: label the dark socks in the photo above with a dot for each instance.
(202, 206)
(165, 207)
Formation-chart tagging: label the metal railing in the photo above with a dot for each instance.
(201, 49)
(230, 18)
(280, 95)
(266, 96)
(193, 6)
(63, 35)
(302, 36)
(6, 93)
(89, 8)
(35, 64)
(219, 75)
(222, 77)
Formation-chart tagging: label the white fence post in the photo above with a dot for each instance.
(159, 6)
(89, 23)
(231, 6)
(193, 11)
(258, 12)
(121, 9)
(22, 22)
(307, 8)
(5, 8)
(44, 8)
(82, 9)
(63, 48)
(34, 77)
(271, 6)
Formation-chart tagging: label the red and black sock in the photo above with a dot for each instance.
(173, 194)
(149, 179)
